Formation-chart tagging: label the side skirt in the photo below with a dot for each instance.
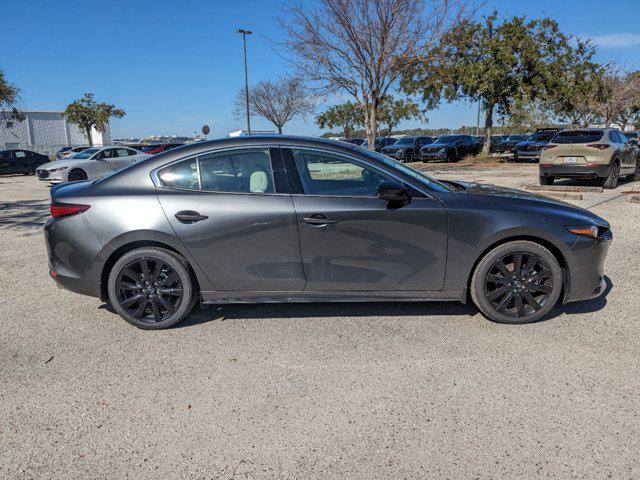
(331, 296)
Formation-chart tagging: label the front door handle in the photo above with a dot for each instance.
(189, 216)
(318, 220)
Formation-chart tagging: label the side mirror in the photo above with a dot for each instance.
(395, 193)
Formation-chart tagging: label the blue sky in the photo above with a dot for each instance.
(176, 65)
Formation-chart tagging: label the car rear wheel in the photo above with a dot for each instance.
(544, 180)
(612, 180)
(77, 174)
(151, 288)
(517, 282)
(408, 157)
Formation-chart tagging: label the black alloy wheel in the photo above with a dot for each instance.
(518, 284)
(408, 157)
(76, 174)
(151, 288)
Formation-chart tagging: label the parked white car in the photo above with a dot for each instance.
(94, 162)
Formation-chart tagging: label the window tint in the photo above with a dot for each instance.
(246, 171)
(324, 174)
(613, 137)
(182, 175)
(578, 136)
(122, 152)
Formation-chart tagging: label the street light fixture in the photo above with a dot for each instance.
(246, 77)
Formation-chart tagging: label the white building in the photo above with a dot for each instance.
(45, 132)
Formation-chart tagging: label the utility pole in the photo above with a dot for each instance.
(246, 77)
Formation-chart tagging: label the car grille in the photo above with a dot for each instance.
(430, 150)
(529, 148)
(42, 173)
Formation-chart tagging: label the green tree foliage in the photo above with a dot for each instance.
(391, 112)
(495, 62)
(347, 116)
(87, 113)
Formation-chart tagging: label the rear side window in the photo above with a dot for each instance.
(578, 136)
(246, 171)
(613, 137)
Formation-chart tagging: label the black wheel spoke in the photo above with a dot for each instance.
(141, 308)
(168, 280)
(157, 270)
(539, 276)
(517, 264)
(504, 303)
(498, 293)
(127, 272)
(519, 305)
(157, 315)
(166, 305)
(530, 265)
(145, 269)
(536, 287)
(129, 286)
(131, 300)
(503, 269)
(497, 279)
(533, 303)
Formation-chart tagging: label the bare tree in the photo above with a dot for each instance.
(277, 101)
(619, 98)
(362, 46)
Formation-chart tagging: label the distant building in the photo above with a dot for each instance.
(45, 132)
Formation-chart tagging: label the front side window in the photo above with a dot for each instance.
(20, 154)
(244, 171)
(325, 174)
(122, 152)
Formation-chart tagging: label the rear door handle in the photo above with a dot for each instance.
(189, 216)
(318, 220)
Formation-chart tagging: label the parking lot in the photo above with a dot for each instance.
(405, 390)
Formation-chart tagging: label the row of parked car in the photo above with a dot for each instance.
(450, 148)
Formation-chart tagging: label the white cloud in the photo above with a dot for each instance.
(616, 40)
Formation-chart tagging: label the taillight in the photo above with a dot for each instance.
(599, 146)
(59, 210)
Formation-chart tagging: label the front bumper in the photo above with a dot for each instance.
(574, 171)
(46, 176)
(586, 268)
(427, 156)
(527, 155)
(397, 154)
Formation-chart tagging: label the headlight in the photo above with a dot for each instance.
(590, 231)
(53, 170)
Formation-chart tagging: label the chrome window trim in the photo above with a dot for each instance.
(157, 182)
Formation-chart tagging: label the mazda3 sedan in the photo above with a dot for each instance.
(291, 219)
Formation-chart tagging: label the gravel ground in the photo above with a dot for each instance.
(316, 391)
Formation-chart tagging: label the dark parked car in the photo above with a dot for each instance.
(290, 219)
(21, 161)
(155, 149)
(531, 148)
(450, 148)
(67, 152)
(355, 141)
(509, 142)
(407, 149)
(380, 143)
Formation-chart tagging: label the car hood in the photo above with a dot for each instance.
(440, 145)
(71, 162)
(396, 147)
(492, 193)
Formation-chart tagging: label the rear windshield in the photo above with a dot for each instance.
(541, 136)
(578, 136)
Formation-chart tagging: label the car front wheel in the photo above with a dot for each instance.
(151, 288)
(517, 282)
(77, 174)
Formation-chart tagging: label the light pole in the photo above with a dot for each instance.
(246, 77)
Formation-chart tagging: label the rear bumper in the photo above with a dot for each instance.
(73, 249)
(574, 171)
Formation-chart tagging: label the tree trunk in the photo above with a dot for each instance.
(371, 124)
(346, 133)
(89, 137)
(279, 129)
(488, 126)
(389, 130)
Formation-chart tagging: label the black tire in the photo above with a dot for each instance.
(77, 174)
(529, 296)
(544, 180)
(635, 176)
(611, 181)
(408, 157)
(164, 290)
(451, 157)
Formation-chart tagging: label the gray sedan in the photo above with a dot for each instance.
(290, 219)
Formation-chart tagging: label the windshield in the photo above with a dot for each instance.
(542, 136)
(422, 177)
(447, 139)
(86, 153)
(405, 141)
(517, 138)
(578, 136)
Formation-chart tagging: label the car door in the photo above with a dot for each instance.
(233, 212)
(352, 239)
(628, 161)
(20, 161)
(6, 162)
